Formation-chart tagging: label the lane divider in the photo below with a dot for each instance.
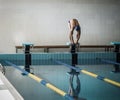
(91, 74)
(108, 61)
(42, 81)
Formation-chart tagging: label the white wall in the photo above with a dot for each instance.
(44, 22)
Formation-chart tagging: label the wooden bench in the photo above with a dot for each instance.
(47, 47)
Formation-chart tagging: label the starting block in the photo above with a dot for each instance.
(74, 48)
(73, 72)
(117, 51)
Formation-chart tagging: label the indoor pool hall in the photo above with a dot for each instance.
(59, 49)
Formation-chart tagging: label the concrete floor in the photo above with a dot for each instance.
(91, 88)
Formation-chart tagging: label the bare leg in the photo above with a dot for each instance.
(71, 37)
(71, 26)
(77, 37)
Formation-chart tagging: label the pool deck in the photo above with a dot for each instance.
(7, 90)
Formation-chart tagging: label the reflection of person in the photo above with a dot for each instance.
(74, 25)
(74, 92)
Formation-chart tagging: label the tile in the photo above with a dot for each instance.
(6, 95)
(1, 83)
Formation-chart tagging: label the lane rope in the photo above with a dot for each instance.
(91, 74)
(42, 81)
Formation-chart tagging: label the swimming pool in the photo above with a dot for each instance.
(91, 88)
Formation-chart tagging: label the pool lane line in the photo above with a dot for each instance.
(42, 81)
(91, 74)
(108, 61)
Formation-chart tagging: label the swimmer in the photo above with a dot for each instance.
(74, 25)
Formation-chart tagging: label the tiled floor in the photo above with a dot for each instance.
(7, 91)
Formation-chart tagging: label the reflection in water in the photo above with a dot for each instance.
(56, 75)
(74, 91)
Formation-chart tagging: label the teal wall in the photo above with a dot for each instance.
(48, 58)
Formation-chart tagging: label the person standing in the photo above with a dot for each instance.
(74, 26)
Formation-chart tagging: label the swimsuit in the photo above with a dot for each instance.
(77, 27)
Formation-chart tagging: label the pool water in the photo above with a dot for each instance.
(91, 88)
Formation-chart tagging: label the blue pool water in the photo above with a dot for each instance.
(91, 88)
